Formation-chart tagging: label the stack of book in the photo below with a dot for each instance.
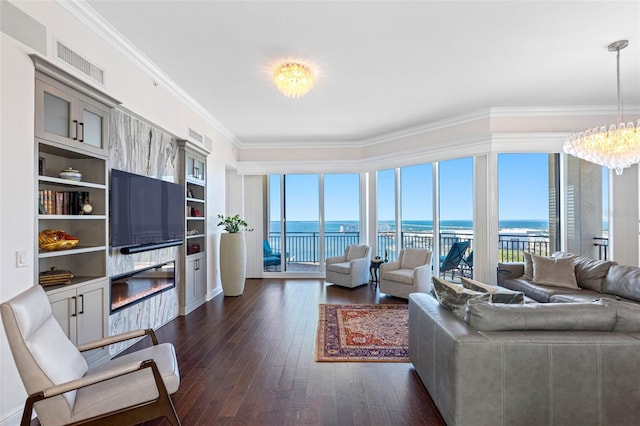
(62, 202)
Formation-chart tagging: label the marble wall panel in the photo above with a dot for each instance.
(136, 146)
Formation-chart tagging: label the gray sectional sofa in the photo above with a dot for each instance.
(556, 363)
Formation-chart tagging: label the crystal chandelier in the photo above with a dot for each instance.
(615, 147)
(293, 79)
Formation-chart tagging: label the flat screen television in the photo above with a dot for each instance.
(145, 211)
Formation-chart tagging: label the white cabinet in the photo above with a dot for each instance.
(69, 117)
(195, 288)
(71, 124)
(83, 313)
(193, 253)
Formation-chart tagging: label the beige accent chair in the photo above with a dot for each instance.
(62, 388)
(351, 269)
(411, 273)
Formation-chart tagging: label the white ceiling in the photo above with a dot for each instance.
(382, 66)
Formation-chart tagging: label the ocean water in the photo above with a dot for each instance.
(408, 226)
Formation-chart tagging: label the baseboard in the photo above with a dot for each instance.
(213, 293)
(13, 418)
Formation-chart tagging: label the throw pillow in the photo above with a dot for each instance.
(554, 271)
(454, 297)
(540, 316)
(498, 294)
(528, 267)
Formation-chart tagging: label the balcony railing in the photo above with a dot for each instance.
(304, 246)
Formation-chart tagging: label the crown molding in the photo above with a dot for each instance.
(82, 11)
(562, 111)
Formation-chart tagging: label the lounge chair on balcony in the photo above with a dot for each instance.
(269, 256)
(466, 266)
(451, 262)
(351, 269)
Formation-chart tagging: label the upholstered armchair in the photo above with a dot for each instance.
(351, 269)
(63, 389)
(411, 273)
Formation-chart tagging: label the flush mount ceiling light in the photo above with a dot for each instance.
(615, 147)
(293, 79)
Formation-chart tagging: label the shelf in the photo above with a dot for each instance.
(51, 289)
(196, 200)
(67, 182)
(195, 218)
(72, 216)
(195, 181)
(189, 237)
(79, 250)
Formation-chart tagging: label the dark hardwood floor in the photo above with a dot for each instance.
(249, 360)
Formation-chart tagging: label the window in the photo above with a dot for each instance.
(416, 193)
(295, 220)
(341, 212)
(526, 203)
(456, 210)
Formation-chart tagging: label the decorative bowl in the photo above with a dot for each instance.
(71, 174)
(52, 240)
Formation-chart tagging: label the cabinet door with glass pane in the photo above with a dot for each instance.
(66, 116)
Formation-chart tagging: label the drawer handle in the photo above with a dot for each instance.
(75, 306)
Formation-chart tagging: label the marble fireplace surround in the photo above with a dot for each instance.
(138, 146)
(134, 287)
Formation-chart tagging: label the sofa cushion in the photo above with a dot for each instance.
(404, 276)
(485, 316)
(498, 294)
(341, 268)
(584, 296)
(454, 297)
(628, 314)
(590, 273)
(554, 271)
(623, 281)
(412, 258)
(540, 293)
(357, 252)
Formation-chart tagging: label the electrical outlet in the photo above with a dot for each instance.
(22, 259)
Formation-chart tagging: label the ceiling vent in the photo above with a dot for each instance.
(208, 143)
(80, 63)
(195, 136)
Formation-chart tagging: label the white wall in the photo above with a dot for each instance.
(126, 82)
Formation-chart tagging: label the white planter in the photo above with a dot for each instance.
(233, 260)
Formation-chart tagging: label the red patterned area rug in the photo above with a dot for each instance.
(363, 333)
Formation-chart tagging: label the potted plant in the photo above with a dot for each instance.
(233, 258)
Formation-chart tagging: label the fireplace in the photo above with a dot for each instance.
(134, 287)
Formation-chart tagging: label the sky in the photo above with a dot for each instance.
(522, 191)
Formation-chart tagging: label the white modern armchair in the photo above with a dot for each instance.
(63, 389)
(351, 269)
(411, 273)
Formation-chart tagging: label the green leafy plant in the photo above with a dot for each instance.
(233, 224)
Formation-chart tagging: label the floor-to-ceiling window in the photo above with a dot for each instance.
(302, 222)
(416, 201)
(456, 214)
(527, 205)
(301, 234)
(341, 212)
(386, 214)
